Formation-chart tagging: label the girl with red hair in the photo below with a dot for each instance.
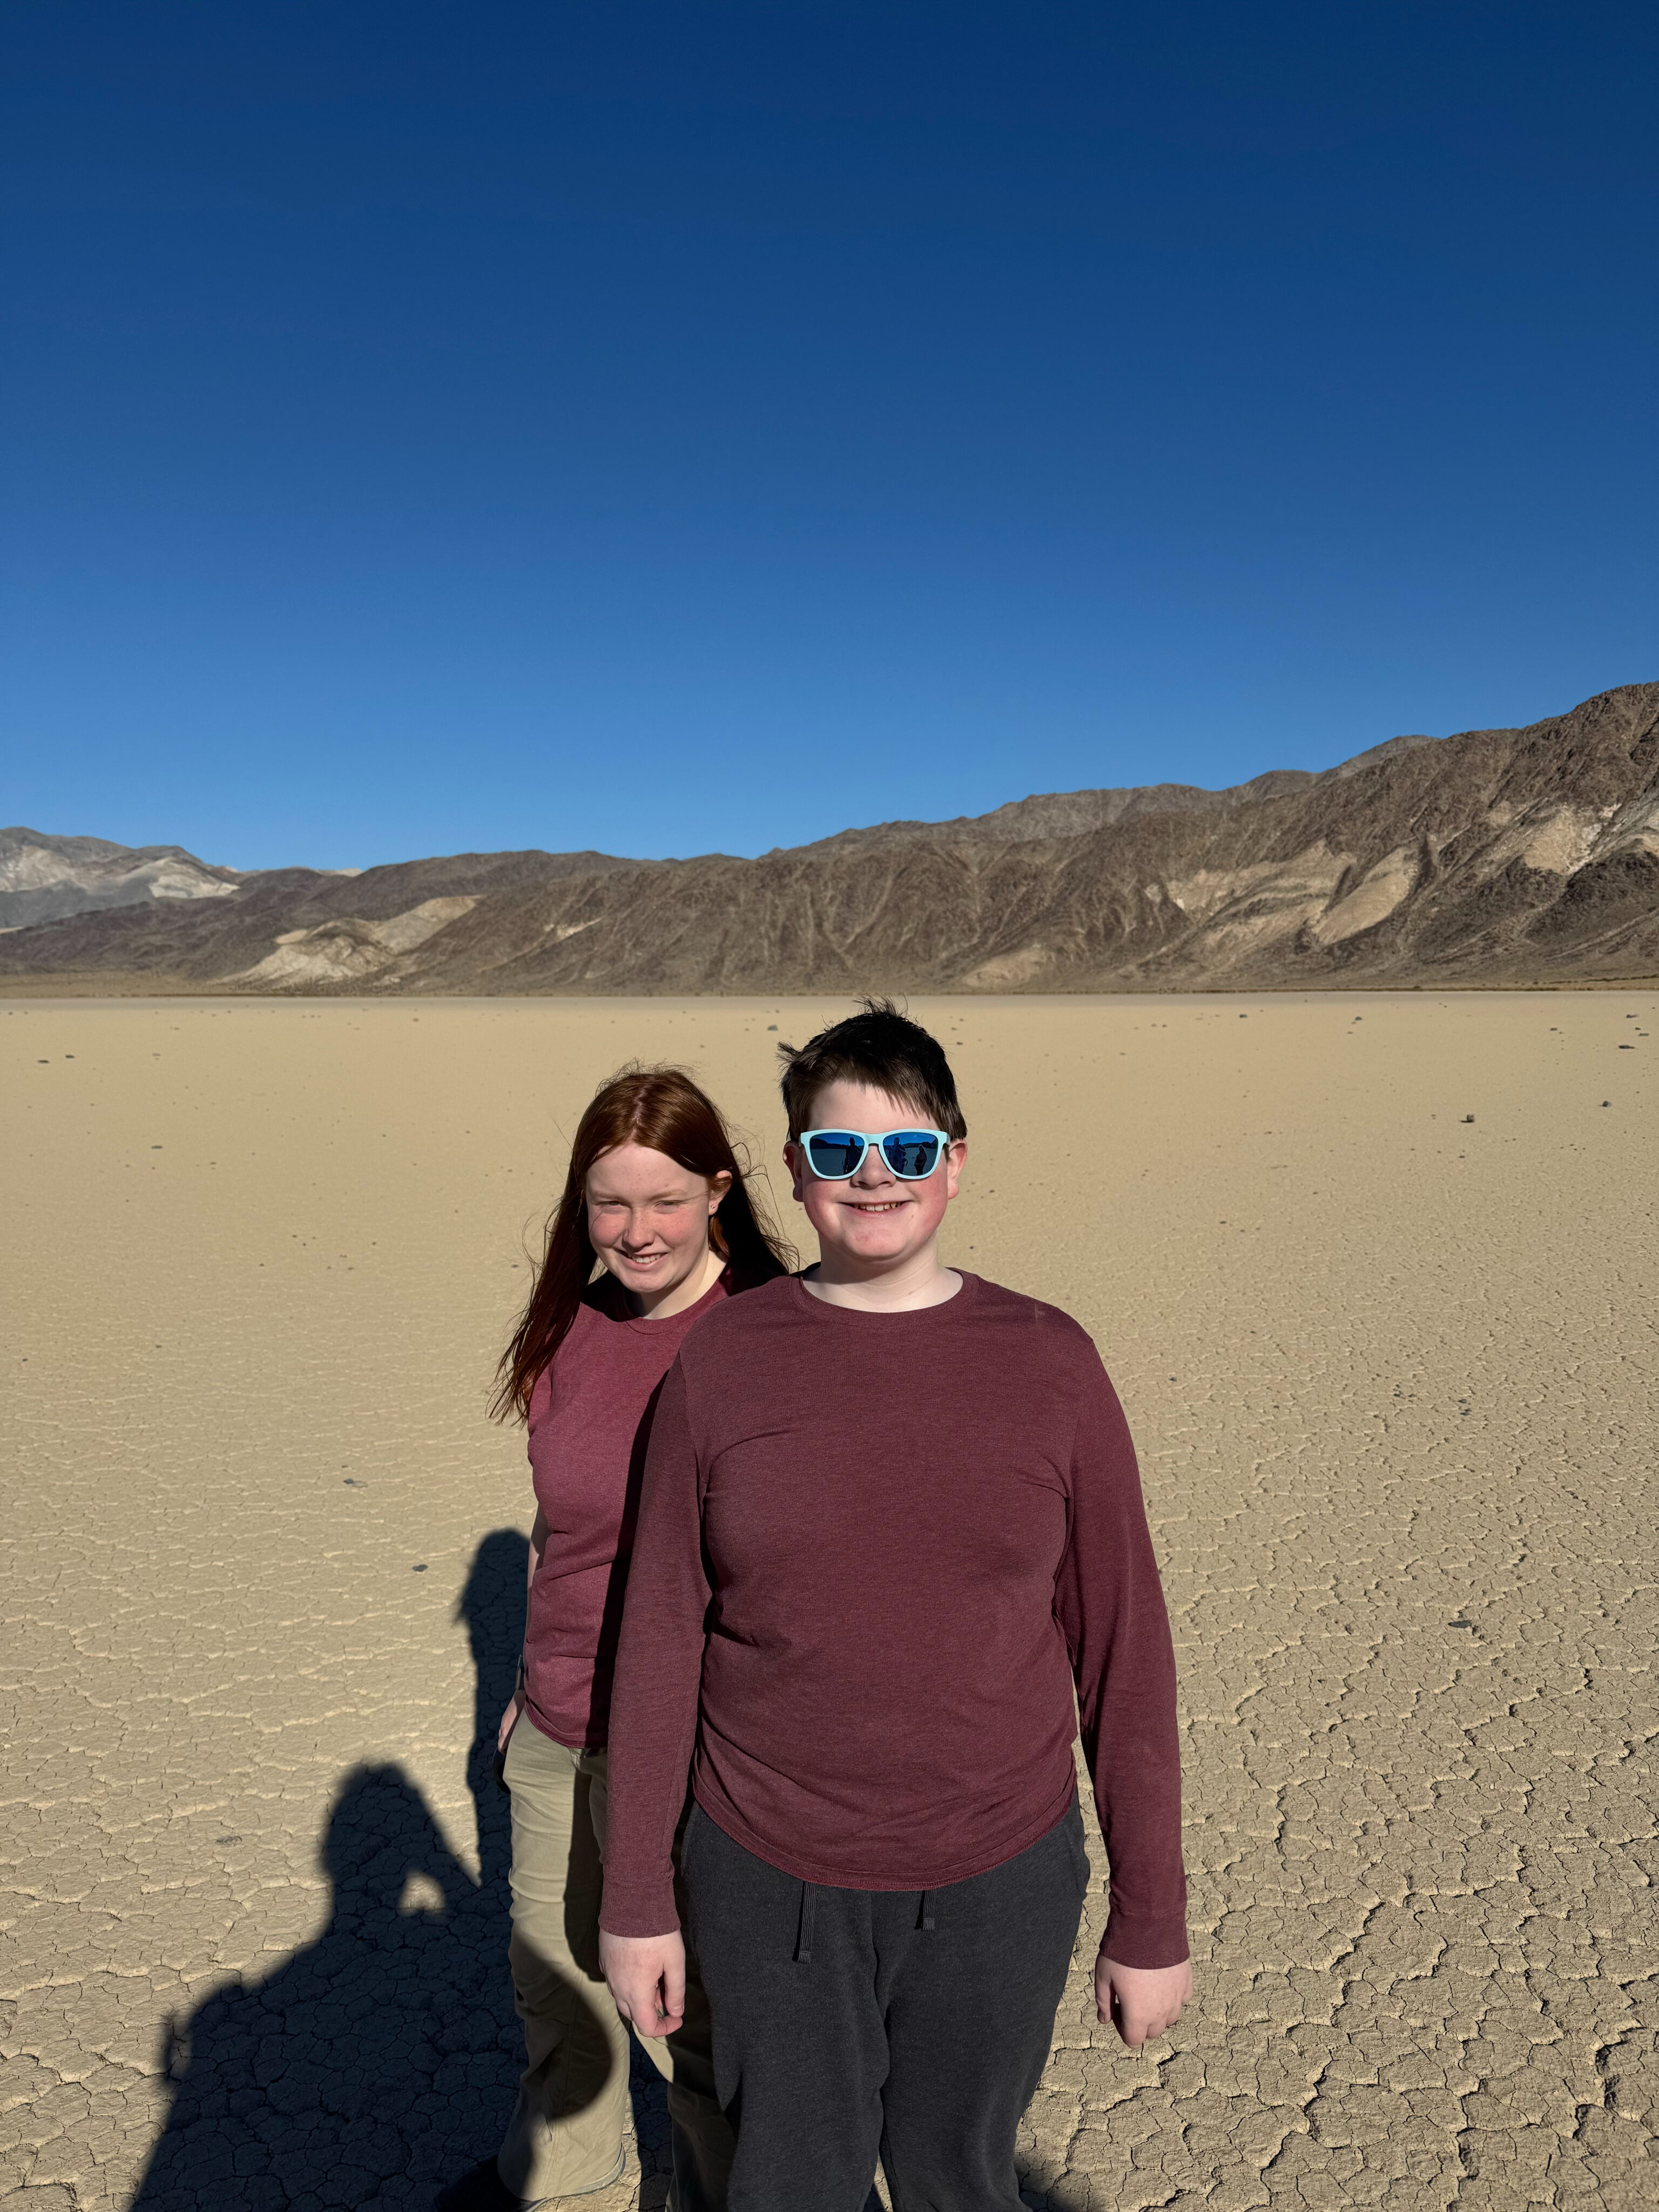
(656, 1199)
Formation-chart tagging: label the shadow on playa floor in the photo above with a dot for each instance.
(381, 2061)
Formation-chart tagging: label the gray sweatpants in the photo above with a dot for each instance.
(852, 2022)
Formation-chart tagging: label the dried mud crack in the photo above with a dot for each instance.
(1393, 1377)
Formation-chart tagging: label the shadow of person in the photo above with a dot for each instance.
(379, 2059)
(491, 1604)
(351, 2075)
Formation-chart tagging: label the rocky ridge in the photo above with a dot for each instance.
(44, 878)
(1496, 856)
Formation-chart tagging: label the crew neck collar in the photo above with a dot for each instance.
(617, 1310)
(963, 1298)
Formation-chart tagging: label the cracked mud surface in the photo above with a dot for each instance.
(1392, 1374)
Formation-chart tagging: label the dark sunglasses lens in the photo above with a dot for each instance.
(833, 1152)
(911, 1153)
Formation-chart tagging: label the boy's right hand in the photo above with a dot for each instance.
(646, 1974)
(509, 1720)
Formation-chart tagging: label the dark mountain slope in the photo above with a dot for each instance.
(1496, 856)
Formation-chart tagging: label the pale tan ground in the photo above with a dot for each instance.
(1393, 1378)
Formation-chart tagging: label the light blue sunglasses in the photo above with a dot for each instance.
(833, 1155)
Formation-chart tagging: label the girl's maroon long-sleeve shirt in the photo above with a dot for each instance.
(590, 1422)
(875, 1554)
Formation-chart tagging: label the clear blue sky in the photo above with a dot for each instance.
(688, 427)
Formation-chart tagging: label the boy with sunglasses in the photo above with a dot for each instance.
(890, 1522)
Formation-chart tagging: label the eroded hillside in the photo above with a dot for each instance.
(1496, 856)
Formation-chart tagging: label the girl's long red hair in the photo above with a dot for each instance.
(662, 1109)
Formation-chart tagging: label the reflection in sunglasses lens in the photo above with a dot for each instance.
(913, 1157)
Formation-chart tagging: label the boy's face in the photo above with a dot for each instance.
(875, 1220)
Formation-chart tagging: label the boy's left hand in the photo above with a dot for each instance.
(1140, 2002)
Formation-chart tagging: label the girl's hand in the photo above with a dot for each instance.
(509, 1720)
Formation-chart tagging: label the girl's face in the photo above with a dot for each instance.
(648, 1218)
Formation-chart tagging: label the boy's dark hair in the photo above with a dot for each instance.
(882, 1047)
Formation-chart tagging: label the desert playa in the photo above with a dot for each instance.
(1376, 1277)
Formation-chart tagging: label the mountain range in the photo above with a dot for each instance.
(1493, 857)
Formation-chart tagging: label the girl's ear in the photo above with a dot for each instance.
(718, 1186)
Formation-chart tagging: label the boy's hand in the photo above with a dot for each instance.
(1140, 2002)
(646, 1974)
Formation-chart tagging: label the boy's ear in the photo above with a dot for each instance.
(794, 1160)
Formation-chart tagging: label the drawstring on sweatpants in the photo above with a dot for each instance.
(809, 1900)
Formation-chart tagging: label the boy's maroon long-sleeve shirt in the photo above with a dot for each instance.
(875, 1551)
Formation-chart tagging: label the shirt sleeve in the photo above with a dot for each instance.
(653, 1702)
(1109, 1603)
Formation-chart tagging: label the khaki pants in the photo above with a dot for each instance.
(566, 2132)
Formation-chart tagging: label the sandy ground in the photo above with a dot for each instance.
(1392, 1372)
